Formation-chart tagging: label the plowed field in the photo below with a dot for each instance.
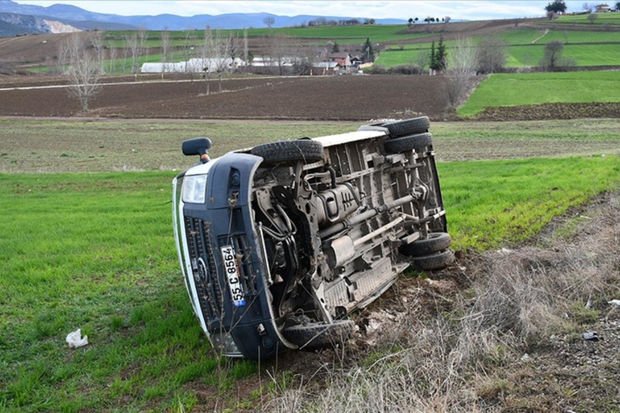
(309, 98)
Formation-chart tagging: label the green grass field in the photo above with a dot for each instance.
(491, 203)
(94, 251)
(581, 54)
(522, 36)
(535, 88)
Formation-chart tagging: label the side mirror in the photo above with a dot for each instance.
(197, 146)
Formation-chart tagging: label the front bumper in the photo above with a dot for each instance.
(201, 230)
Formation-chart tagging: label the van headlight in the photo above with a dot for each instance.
(194, 189)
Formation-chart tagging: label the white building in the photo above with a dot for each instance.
(194, 65)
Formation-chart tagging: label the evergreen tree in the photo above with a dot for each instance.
(335, 48)
(438, 56)
(441, 55)
(367, 53)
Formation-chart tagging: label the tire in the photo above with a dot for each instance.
(434, 261)
(312, 336)
(418, 142)
(407, 126)
(304, 150)
(436, 241)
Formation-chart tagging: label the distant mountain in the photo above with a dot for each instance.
(12, 24)
(85, 19)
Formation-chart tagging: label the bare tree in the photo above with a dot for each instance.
(112, 60)
(269, 21)
(142, 38)
(491, 55)
(461, 69)
(165, 50)
(217, 55)
(552, 55)
(133, 46)
(422, 60)
(83, 68)
(97, 40)
(208, 53)
(278, 51)
(62, 58)
(245, 46)
(189, 50)
(226, 48)
(592, 17)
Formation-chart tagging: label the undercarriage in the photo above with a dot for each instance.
(281, 242)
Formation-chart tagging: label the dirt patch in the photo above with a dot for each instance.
(30, 49)
(548, 111)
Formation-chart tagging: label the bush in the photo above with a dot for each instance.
(396, 70)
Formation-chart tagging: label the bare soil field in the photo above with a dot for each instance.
(31, 49)
(268, 97)
(308, 98)
(552, 111)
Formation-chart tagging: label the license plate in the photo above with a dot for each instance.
(232, 273)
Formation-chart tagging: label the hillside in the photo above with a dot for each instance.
(18, 24)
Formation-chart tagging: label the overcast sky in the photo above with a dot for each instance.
(471, 9)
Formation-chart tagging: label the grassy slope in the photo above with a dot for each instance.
(490, 203)
(342, 34)
(585, 47)
(534, 88)
(582, 54)
(602, 19)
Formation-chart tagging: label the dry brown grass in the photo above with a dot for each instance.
(452, 361)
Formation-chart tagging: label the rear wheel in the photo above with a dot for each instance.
(407, 126)
(434, 261)
(418, 142)
(304, 150)
(435, 242)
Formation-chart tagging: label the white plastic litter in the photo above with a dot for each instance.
(614, 302)
(75, 339)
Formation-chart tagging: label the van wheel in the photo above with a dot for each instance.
(434, 261)
(407, 126)
(435, 242)
(418, 142)
(304, 150)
